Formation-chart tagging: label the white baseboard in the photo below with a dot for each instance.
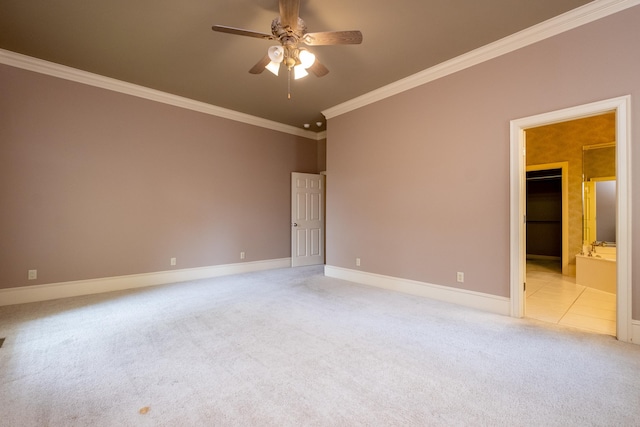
(25, 294)
(481, 301)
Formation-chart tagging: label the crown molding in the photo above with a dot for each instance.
(590, 12)
(68, 73)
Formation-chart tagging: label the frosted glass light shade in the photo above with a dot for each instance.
(299, 72)
(306, 58)
(274, 67)
(276, 53)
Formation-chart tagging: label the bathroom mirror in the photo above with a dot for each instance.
(599, 193)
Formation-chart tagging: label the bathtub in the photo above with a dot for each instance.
(597, 271)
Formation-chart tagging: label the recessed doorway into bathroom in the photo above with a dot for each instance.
(519, 153)
(561, 169)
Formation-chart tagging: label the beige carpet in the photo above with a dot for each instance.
(292, 347)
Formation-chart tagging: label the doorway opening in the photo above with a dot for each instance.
(547, 213)
(554, 294)
(544, 215)
(519, 128)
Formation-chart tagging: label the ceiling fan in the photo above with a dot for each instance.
(291, 31)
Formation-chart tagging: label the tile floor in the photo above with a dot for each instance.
(552, 297)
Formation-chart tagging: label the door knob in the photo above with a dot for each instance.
(295, 224)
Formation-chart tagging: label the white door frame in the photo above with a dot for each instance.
(622, 107)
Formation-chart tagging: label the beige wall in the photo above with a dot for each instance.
(418, 183)
(563, 142)
(97, 184)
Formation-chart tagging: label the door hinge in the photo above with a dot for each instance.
(524, 286)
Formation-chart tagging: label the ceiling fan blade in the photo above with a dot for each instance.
(259, 67)
(332, 37)
(289, 12)
(318, 69)
(241, 32)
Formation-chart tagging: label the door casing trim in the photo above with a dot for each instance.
(622, 107)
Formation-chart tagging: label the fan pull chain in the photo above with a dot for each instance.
(289, 84)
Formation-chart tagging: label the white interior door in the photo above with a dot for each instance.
(307, 219)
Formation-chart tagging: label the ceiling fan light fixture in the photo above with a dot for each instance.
(306, 58)
(299, 72)
(276, 53)
(274, 67)
(290, 30)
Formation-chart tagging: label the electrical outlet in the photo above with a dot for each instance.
(460, 277)
(173, 261)
(242, 255)
(33, 274)
(357, 262)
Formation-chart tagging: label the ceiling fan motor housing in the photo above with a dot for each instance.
(288, 35)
